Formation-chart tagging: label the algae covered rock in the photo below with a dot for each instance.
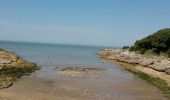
(13, 67)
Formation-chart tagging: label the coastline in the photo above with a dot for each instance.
(12, 67)
(157, 77)
(84, 77)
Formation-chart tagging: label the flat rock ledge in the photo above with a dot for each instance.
(13, 67)
(156, 63)
(81, 72)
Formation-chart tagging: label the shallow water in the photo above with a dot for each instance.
(115, 83)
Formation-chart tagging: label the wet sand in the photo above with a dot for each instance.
(112, 83)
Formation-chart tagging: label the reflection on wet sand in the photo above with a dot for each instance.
(81, 72)
(111, 84)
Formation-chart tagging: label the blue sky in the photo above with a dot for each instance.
(86, 22)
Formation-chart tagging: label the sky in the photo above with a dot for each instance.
(82, 22)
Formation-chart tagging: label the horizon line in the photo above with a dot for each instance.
(47, 43)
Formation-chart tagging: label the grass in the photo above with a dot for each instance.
(158, 82)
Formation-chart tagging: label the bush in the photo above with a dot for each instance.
(157, 42)
(125, 47)
(168, 52)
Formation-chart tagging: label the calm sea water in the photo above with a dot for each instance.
(59, 54)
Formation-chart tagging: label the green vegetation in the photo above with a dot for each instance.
(10, 75)
(156, 43)
(125, 47)
(158, 82)
(14, 68)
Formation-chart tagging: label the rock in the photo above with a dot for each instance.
(110, 57)
(166, 63)
(123, 58)
(161, 65)
(136, 61)
(84, 92)
(146, 62)
(80, 69)
(10, 59)
(154, 62)
(7, 58)
(81, 72)
(167, 71)
(5, 61)
(5, 84)
(13, 67)
(158, 66)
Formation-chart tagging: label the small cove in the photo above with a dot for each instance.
(115, 83)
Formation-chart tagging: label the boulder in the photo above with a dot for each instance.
(162, 65)
(153, 62)
(167, 71)
(4, 61)
(146, 62)
(7, 58)
(158, 66)
(13, 67)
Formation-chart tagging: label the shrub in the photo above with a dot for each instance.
(157, 42)
(125, 47)
(168, 52)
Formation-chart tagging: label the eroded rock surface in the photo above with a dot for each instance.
(78, 72)
(12, 67)
(154, 62)
(167, 71)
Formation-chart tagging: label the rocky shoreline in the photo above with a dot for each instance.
(153, 69)
(12, 67)
(153, 65)
(153, 62)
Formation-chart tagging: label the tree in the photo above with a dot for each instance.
(157, 42)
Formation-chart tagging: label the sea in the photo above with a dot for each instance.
(58, 53)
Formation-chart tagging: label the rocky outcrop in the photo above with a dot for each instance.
(81, 72)
(12, 67)
(153, 62)
(11, 60)
(7, 59)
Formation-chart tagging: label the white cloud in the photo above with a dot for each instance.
(37, 27)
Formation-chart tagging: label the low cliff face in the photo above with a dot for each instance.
(11, 60)
(13, 67)
(153, 62)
